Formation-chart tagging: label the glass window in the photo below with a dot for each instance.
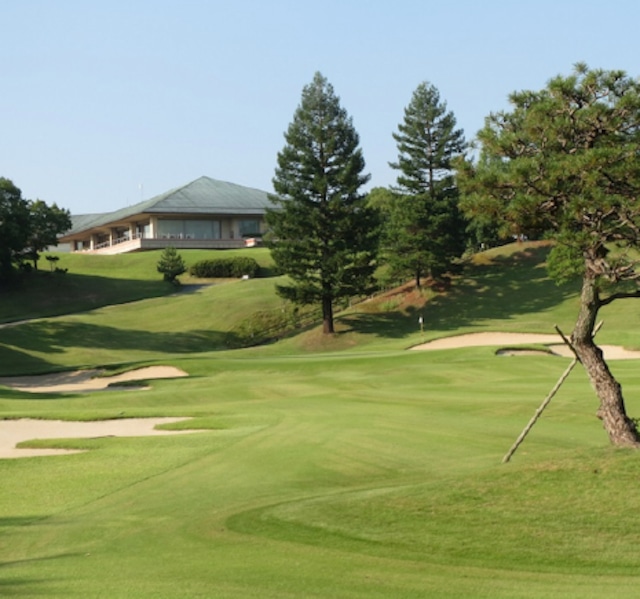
(188, 229)
(170, 229)
(202, 229)
(249, 227)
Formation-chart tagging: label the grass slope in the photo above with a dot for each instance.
(94, 281)
(329, 468)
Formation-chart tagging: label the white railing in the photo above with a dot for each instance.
(139, 242)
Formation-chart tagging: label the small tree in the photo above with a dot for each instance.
(565, 163)
(46, 223)
(171, 265)
(425, 231)
(52, 261)
(322, 233)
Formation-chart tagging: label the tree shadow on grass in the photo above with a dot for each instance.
(391, 325)
(55, 337)
(45, 294)
(508, 287)
(14, 586)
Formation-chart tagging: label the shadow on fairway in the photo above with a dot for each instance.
(506, 288)
(13, 361)
(27, 587)
(18, 520)
(43, 294)
(46, 337)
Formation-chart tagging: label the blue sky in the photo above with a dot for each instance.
(107, 103)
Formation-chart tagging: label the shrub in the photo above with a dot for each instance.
(265, 326)
(171, 265)
(236, 267)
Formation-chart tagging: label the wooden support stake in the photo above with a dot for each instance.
(539, 411)
(549, 397)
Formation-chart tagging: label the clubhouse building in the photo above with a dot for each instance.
(203, 214)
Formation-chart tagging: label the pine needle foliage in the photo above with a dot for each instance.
(171, 265)
(322, 233)
(425, 230)
(563, 163)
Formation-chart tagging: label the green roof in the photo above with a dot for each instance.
(202, 196)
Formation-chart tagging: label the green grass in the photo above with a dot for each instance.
(343, 468)
(94, 281)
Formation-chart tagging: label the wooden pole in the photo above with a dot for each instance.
(539, 411)
(549, 397)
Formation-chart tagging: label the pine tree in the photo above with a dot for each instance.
(425, 231)
(171, 265)
(564, 163)
(322, 234)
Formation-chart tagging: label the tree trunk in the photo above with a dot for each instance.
(327, 316)
(620, 428)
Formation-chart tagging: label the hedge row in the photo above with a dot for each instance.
(225, 268)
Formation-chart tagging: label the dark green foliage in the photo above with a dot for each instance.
(46, 223)
(425, 231)
(264, 326)
(239, 266)
(14, 226)
(52, 260)
(564, 164)
(171, 265)
(26, 228)
(322, 233)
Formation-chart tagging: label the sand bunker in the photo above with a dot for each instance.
(508, 340)
(86, 380)
(13, 432)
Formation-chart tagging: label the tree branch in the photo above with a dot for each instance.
(617, 296)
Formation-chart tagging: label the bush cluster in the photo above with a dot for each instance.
(265, 326)
(238, 266)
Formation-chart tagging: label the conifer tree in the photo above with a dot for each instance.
(563, 162)
(425, 230)
(171, 265)
(322, 234)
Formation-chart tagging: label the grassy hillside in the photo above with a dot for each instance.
(505, 289)
(93, 281)
(343, 467)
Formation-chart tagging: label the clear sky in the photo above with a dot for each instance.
(104, 103)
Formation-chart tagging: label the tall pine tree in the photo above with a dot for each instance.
(425, 231)
(322, 234)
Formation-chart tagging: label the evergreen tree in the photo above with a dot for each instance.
(322, 233)
(171, 265)
(14, 226)
(564, 163)
(425, 230)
